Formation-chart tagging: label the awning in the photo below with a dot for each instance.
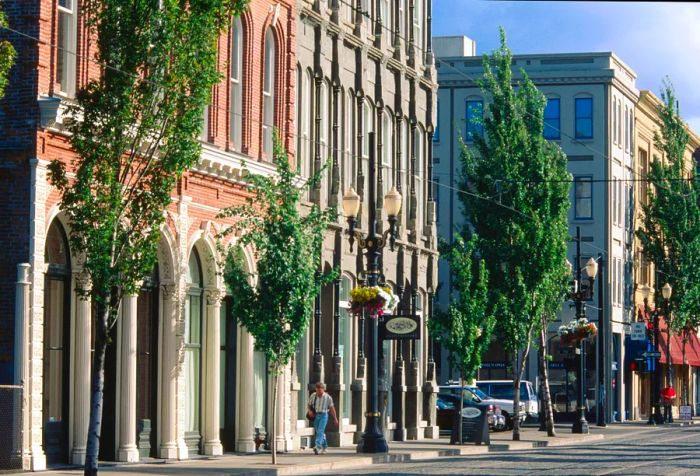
(692, 347)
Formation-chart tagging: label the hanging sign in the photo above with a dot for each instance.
(400, 327)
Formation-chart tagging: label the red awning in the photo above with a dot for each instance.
(692, 347)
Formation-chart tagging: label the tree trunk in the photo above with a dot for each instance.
(517, 377)
(98, 381)
(273, 426)
(544, 377)
(686, 374)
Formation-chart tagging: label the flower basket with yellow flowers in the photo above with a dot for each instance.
(372, 300)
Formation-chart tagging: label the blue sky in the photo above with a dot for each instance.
(654, 39)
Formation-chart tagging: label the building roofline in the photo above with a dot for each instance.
(648, 101)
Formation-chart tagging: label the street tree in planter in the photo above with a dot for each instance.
(135, 132)
(465, 330)
(524, 230)
(670, 232)
(287, 246)
(7, 55)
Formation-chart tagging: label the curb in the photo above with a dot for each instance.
(354, 462)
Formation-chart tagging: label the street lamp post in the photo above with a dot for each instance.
(372, 439)
(579, 294)
(666, 291)
(655, 416)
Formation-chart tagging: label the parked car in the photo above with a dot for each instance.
(503, 390)
(448, 402)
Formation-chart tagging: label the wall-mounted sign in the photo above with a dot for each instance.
(400, 328)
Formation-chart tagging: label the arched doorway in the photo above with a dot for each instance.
(193, 354)
(56, 345)
(147, 365)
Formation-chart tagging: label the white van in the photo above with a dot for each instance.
(503, 389)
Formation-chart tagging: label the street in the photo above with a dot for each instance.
(654, 451)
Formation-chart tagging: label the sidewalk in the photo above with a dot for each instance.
(305, 462)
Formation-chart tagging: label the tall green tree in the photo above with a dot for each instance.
(7, 55)
(670, 232)
(465, 329)
(524, 235)
(136, 132)
(287, 245)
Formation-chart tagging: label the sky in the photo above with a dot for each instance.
(655, 39)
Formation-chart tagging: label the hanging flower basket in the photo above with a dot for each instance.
(372, 300)
(578, 329)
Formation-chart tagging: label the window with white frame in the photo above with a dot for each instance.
(349, 10)
(268, 94)
(384, 15)
(436, 133)
(402, 19)
(323, 131)
(630, 131)
(620, 203)
(583, 114)
(387, 151)
(619, 123)
(614, 120)
(614, 201)
(418, 25)
(552, 119)
(236, 85)
(67, 41)
(405, 168)
(298, 112)
(627, 129)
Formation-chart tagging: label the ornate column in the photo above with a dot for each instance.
(212, 371)
(169, 370)
(22, 306)
(413, 404)
(82, 365)
(36, 459)
(127, 397)
(430, 387)
(245, 442)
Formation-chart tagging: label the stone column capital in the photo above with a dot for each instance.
(170, 291)
(214, 296)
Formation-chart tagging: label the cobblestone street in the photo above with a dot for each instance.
(651, 451)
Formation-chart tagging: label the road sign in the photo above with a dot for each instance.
(651, 354)
(639, 331)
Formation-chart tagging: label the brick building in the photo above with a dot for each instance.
(176, 342)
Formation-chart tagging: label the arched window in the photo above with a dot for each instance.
(268, 94)
(614, 120)
(619, 122)
(627, 130)
(419, 177)
(405, 166)
(348, 142)
(387, 151)
(323, 132)
(236, 85)
(306, 151)
(193, 352)
(67, 39)
(368, 125)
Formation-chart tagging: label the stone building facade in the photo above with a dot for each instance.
(182, 377)
(590, 114)
(686, 369)
(362, 67)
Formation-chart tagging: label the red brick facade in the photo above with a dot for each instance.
(24, 138)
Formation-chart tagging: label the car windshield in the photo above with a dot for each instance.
(505, 390)
(478, 393)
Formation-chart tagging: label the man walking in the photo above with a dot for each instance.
(320, 403)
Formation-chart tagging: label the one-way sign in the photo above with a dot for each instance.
(650, 354)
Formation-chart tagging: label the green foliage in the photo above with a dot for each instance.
(7, 56)
(137, 131)
(524, 240)
(670, 232)
(465, 329)
(287, 246)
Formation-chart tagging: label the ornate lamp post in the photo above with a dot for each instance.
(666, 291)
(579, 294)
(372, 440)
(655, 416)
